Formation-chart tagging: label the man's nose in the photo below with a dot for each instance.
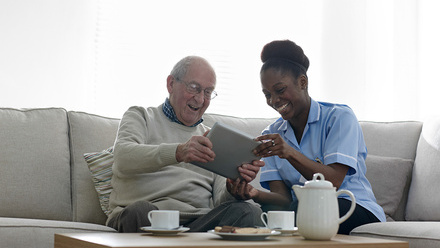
(200, 97)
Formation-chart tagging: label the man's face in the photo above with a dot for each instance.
(189, 107)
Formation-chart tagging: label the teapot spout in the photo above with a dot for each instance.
(298, 191)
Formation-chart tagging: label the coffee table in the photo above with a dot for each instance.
(208, 240)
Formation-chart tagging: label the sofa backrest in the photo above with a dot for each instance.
(392, 148)
(88, 133)
(91, 133)
(392, 139)
(35, 164)
(423, 201)
(43, 173)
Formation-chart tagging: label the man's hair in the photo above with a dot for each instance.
(181, 68)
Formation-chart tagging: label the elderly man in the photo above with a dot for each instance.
(153, 151)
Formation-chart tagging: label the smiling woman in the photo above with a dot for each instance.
(104, 56)
(312, 138)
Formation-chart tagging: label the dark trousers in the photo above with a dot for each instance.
(234, 213)
(359, 217)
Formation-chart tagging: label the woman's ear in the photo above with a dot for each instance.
(303, 82)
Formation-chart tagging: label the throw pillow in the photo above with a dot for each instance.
(100, 165)
(388, 177)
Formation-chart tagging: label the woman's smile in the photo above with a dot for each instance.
(282, 109)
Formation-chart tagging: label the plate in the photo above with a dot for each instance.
(288, 232)
(164, 232)
(245, 237)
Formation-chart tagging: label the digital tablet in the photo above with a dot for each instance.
(232, 148)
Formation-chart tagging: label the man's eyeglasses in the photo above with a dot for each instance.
(195, 88)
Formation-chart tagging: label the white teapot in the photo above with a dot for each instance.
(318, 210)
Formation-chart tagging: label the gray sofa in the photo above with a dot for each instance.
(48, 186)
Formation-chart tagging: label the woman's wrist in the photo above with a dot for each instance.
(292, 155)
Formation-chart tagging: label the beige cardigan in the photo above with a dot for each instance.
(145, 167)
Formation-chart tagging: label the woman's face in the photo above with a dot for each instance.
(287, 95)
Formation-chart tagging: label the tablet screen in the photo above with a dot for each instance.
(232, 148)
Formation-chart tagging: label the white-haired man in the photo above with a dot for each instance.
(153, 151)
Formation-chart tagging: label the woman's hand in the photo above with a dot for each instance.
(196, 149)
(273, 145)
(240, 189)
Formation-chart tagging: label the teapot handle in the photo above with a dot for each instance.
(353, 204)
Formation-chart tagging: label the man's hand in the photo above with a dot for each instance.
(249, 171)
(196, 149)
(240, 189)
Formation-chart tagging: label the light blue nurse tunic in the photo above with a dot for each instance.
(332, 135)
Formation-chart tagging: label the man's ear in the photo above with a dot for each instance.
(170, 82)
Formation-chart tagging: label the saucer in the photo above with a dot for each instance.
(245, 237)
(287, 231)
(164, 232)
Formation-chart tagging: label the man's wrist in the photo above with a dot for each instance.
(178, 153)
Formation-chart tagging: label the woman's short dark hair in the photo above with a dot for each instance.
(285, 56)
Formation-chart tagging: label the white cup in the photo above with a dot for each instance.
(284, 220)
(164, 219)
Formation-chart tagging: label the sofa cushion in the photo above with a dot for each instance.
(35, 164)
(18, 232)
(417, 234)
(423, 200)
(389, 177)
(100, 165)
(88, 133)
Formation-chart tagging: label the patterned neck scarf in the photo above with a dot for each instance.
(169, 112)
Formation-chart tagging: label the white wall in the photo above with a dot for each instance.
(378, 56)
(428, 78)
(46, 52)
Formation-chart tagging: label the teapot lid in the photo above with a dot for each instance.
(315, 183)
